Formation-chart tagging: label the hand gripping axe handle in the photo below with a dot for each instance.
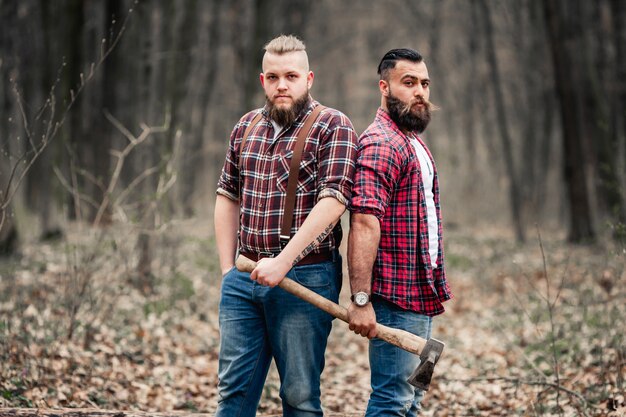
(429, 350)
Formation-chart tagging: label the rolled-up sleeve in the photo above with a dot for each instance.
(375, 175)
(228, 183)
(337, 160)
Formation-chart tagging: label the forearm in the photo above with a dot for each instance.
(226, 221)
(317, 226)
(363, 241)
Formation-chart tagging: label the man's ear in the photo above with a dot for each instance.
(309, 79)
(262, 79)
(383, 86)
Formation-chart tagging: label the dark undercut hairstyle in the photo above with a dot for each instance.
(389, 60)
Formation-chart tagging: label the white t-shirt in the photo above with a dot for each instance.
(428, 177)
(277, 129)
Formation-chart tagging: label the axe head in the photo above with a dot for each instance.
(428, 358)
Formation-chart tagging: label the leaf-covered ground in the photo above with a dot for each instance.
(534, 329)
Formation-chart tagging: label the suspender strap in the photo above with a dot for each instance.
(294, 171)
(246, 133)
(294, 168)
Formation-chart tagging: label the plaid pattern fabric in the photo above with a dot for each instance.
(326, 170)
(388, 184)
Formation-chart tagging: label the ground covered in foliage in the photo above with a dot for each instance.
(534, 329)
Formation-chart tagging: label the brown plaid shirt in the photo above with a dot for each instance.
(326, 170)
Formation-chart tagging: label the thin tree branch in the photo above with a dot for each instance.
(30, 156)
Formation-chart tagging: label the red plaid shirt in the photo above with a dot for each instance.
(388, 184)
(326, 169)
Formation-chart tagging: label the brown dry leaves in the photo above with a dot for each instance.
(157, 351)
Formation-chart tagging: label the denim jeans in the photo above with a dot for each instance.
(391, 366)
(259, 323)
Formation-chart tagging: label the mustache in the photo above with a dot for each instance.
(419, 100)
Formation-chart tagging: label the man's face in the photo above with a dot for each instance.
(286, 80)
(406, 94)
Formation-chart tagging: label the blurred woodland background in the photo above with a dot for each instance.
(531, 131)
(115, 117)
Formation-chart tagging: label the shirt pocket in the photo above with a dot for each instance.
(306, 176)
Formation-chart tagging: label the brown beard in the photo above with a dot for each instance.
(405, 117)
(285, 117)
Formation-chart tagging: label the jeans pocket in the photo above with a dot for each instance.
(228, 272)
(315, 275)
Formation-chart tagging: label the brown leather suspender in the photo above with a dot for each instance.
(294, 169)
(246, 133)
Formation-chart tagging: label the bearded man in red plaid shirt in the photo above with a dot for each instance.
(259, 321)
(395, 250)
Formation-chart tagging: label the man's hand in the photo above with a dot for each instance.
(362, 320)
(270, 271)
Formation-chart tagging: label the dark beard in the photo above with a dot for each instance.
(407, 119)
(285, 117)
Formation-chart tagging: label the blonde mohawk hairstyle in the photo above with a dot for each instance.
(284, 44)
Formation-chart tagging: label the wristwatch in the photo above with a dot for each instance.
(360, 298)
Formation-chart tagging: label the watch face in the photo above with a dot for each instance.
(361, 298)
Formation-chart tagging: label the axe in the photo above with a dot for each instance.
(429, 350)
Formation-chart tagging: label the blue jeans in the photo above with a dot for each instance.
(259, 323)
(391, 366)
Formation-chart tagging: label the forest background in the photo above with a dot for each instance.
(114, 121)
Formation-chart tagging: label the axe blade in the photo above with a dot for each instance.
(421, 377)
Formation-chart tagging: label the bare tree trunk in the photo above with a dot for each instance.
(107, 101)
(39, 183)
(470, 95)
(200, 88)
(544, 151)
(8, 232)
(619, 17)
(437, 64)
(538, 124)
(528, 44)
(71, 131)
(184, 46)
(598, 99)
(618, 110)
(514, 188)
(7, 229)
(560, 40)
(253, 32)
(152, 100)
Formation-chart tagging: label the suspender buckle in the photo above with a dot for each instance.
(283, 241)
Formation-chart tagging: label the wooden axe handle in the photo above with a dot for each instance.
(401, 338)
